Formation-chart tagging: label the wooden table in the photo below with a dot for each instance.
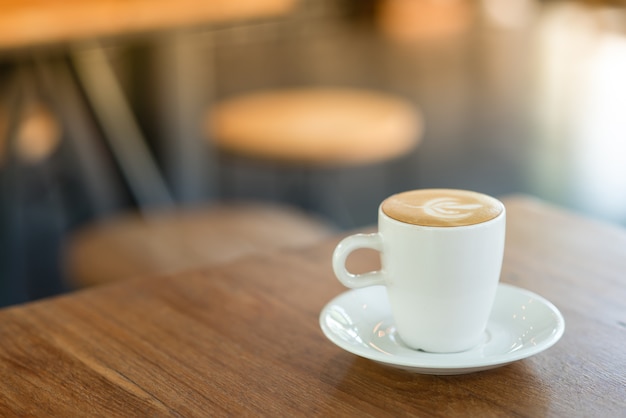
(25, 23)
(243, 339)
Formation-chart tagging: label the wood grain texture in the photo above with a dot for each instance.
(243, 339)
(25, 23)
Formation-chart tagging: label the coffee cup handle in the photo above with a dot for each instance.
(343, 250)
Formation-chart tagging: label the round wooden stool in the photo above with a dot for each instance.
(318, 126)
(133, 246)
(300, 131)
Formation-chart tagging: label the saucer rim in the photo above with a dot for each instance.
(451, 363)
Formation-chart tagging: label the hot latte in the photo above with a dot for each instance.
(442, 207)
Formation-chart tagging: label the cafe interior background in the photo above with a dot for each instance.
(515, 96)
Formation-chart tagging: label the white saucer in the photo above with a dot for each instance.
(521, 324)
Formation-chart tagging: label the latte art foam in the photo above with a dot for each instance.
(442, 207)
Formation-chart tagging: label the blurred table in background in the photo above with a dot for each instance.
(28, 23)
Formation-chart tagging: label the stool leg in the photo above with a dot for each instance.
(335, 197)
(182, 87)
(296, 184)
(13, 287)
(57, 82)
(33, 218)
(121, 129)
(228, 174)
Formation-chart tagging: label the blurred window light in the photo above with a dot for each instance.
(600, 161)
(581, 105)
(566, 39)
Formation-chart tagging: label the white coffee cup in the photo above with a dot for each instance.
(441, 255)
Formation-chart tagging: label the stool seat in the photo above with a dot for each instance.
(318, 126)
(131, 245)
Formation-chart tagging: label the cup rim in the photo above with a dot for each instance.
(501, 215)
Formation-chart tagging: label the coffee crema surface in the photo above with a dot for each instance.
(442, 207)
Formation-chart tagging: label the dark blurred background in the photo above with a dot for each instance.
(517, 96)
